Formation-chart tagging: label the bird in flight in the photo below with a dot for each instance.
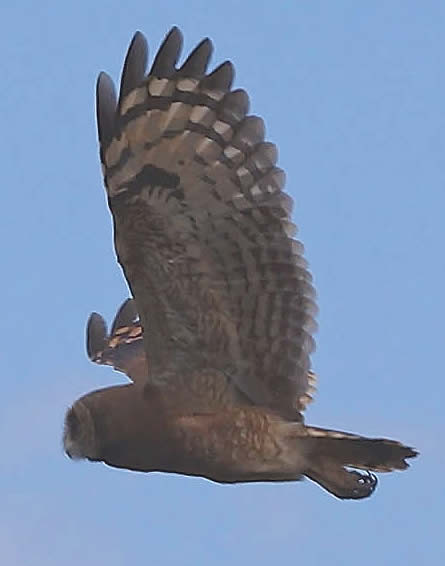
(218, 338)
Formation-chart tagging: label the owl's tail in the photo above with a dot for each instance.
(329, 452)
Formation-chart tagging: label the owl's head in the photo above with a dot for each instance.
(79, 435)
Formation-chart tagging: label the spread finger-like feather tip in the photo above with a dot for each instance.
(196, 63)
(96, 335)
(125, 316)
(221, 78)
(105, 108)
(168, 54)
(135, 65)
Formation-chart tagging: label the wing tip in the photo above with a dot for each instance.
(126, 315)
(96, 335)
(106, 104)
(135, 65)
(168, 54)
(220, 78)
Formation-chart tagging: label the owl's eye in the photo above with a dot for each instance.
(73, 424)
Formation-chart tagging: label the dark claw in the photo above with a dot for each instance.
(366, 484)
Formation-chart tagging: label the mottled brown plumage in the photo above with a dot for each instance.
(203, 232)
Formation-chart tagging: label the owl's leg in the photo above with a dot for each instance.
(329, 454)
(342, 483)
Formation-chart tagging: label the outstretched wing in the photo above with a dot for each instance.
(123, 347)
(202, 226)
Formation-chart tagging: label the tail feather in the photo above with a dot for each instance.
(330, 452)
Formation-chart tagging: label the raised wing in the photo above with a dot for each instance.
(202, 226)
(122, 348)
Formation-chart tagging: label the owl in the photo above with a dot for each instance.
(218, 336)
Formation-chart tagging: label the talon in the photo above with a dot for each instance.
(367, 482)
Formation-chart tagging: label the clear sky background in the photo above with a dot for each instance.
(353, 93)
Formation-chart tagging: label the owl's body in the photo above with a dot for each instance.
(220, 357)
(233, 445)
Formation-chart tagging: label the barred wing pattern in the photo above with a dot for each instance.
(202, 226)
(123, 348)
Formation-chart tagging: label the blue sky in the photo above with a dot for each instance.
(353, 93)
